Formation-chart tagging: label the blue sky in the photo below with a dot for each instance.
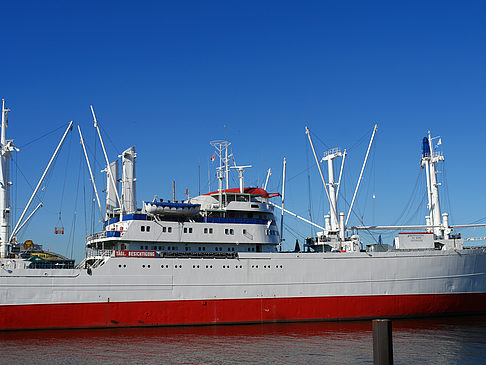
(168, 77)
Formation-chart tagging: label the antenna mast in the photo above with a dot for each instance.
(283, 201)
(223, 169)
(7, 148)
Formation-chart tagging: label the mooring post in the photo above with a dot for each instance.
(382, 342)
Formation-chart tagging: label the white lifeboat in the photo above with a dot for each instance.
(171, 209)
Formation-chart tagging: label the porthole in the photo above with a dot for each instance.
(148, 266)
(143, 265)
(119, 265)
(124, 265)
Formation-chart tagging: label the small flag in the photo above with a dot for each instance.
(214, 155)
(439, 142)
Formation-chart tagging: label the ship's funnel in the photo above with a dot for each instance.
(425, 147)
(129, 198)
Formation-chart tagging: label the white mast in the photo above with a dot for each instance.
(329, 156)
(283, 200)
(240, 176)
(429, 159)
(226, 167)
(90, 171)
(361, 173)
(333, 207)
(269, 172)
(223, 169)
(7, 148)
(16, 229)
(112, 179)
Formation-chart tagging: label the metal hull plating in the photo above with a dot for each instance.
(251, 288)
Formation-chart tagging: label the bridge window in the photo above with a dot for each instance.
(142, 228)
(148, 228)
(169, 229)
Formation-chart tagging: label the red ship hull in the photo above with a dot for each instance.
(260, 310)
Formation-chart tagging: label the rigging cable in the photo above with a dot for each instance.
(73, 225)
(312, 230)
(60, 228)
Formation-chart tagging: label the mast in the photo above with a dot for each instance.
(269, 172)
(51, 161)
(240, 176)
(429, 159)
(283, 200)
(333, 207)
(329, 156)
(361, 173)
(7, 148)
(90, 171)
(112, 179)
(223, 169)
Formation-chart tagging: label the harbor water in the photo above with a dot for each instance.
(452, 340)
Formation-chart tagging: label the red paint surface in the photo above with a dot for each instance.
(127, 314)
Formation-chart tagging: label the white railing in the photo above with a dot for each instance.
(95, 236)
(99, 253)
(332, 151)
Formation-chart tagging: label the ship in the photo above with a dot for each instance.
(217, 258)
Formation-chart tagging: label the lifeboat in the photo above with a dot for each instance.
(171, 209)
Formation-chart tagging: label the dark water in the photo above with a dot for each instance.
(458, 340)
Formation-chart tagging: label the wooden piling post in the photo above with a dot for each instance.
(382, 342)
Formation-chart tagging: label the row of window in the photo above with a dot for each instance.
(207, 266)
(200, 248)
(271, 232)
(229, 231)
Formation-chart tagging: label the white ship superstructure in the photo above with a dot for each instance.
(214, 258)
